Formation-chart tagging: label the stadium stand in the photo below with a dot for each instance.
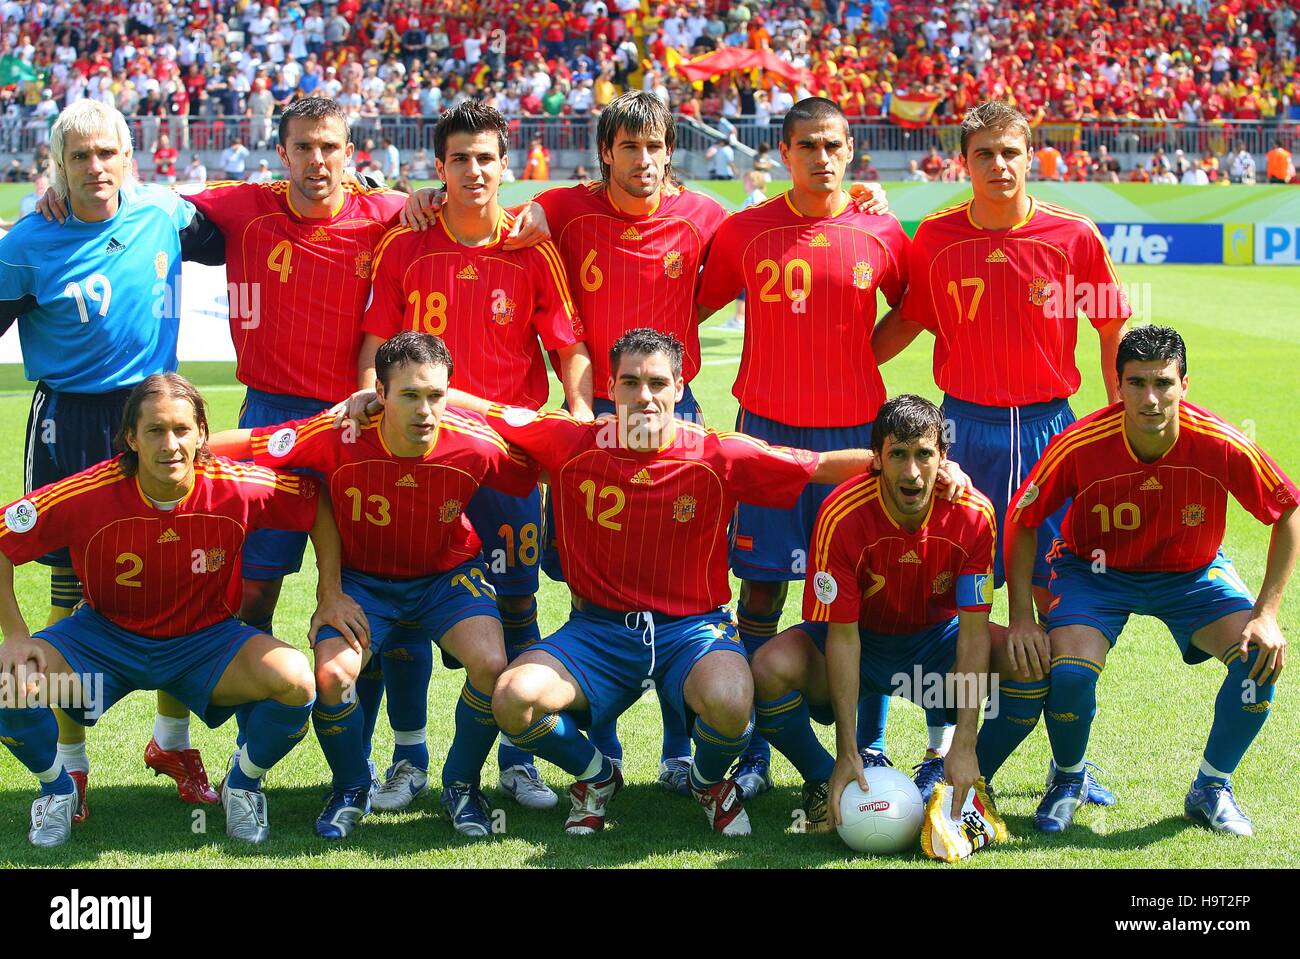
(1129, 75)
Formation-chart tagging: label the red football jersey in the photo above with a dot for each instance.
(1166, 516)
(627, 271)
(487, 303)
(158, 573)
(300, 284)
(648, 531)
(400, 516)
(1003, 305)
(866, 569)
(810, 305)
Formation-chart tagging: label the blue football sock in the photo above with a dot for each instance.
(677, 740)
(32, 735)
(1071, 707)
(1009, 717)
(242, 712)
(605, 738)
(556, 738)
(476, 731)
(339, 728)
(1240, 711)
(241, 723)
(715, 753)
(521, 631)
(273, 730)
(408, 668)
(508, 754)
(755, 630)
(370, 695)
(873, 710)
(787, 726)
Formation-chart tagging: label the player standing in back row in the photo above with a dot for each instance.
(635, 234)
(810, 265)
(1000, 280)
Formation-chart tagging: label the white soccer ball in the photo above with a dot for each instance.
(886, 819)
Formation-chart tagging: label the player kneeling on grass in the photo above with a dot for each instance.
(643, 500)
(410, 555)
(898, 595)
(155, 535)
(1148, 480)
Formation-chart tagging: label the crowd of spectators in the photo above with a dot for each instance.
(1079, 165)
(1057, 60)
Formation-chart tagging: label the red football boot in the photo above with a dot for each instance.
(83, 811)
(184, 766)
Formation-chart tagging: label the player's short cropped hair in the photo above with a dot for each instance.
(87, 118)
(472, 116)
(313, 110)
(159, 385)
(994, 115)
(815, 109)
(908, 417)
(644, 341)
(1150, 344)
(411, 347)
(639, 113)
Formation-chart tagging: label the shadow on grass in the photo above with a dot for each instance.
(647, 827)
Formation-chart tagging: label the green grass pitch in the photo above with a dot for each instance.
(1154, 712)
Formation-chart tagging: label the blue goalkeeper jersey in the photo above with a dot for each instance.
(98, 304)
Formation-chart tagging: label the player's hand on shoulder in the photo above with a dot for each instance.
(52, 207)
(869, 198)
(358, 407)
(952, 480)
(1028, 648)
(336, 608)
(1263, 633)
(848, 768)
(21, 659)
(530, 228)
(421, 207)
(584, 414)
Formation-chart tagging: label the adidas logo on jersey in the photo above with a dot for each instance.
(997, 256)
(408, 481)
(820, 241)
(114, 246)
(1150, 483)
(170, 536)
(469, 273)
(910, 557)
(642, 478)
(630, 234)
(319, 235)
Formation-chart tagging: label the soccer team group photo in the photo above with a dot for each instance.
(615, 489)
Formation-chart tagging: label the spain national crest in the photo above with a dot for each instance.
(942, 583)
(1040, 291)
(503, 309)
(216, 559)
(1193, 514)
(684, 509)
(160, 265)
(672, 264)
(450, 510)
(862, 273)
(363, 264)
